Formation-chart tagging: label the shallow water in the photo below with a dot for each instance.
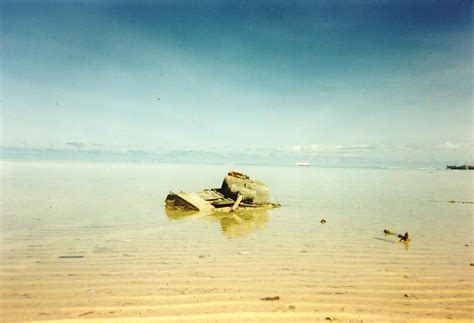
(93, 240)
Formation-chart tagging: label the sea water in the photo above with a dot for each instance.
(93, 240)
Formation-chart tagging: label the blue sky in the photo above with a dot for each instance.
(344, 79)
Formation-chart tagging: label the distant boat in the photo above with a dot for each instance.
(469, 167)
(303, 164)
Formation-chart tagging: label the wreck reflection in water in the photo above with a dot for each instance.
(234, 224)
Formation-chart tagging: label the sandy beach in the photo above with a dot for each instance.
(92, 242)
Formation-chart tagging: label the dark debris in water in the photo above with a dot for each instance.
(86, 313)
(204, 256)
(270, 298)
(413, 296)
(461, 202)
(404, 237)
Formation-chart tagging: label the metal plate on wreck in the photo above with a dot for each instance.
(188, 201)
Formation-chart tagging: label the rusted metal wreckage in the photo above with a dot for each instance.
(238, 192)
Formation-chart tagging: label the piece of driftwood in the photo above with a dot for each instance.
(270, 298)
(237, 202)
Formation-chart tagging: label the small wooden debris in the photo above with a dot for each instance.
(386, 231)
(323, 221)
(406, 295)
(270, 298)
(405, 237)
(87, 313)
(237, 202)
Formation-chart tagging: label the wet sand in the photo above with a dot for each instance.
(92, 241)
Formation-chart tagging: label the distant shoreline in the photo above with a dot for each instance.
(214, 157)
(230, 165)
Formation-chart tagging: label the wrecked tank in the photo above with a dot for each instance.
(238, 191)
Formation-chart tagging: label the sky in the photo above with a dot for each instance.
(306, 80)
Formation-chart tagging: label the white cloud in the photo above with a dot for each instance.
(318, 149)
(454, 146)
(321, 149)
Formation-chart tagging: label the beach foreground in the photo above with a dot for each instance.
(89, 241)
